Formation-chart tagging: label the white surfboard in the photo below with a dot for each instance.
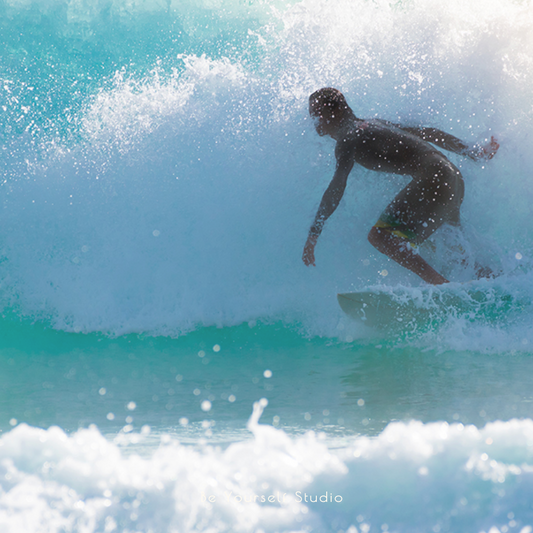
(386, 308)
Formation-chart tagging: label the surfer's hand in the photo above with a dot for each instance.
(489, 150)
(309, 251)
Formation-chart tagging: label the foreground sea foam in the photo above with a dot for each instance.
(412, 477)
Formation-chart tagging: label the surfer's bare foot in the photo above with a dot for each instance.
(436, 279)
(486, 272)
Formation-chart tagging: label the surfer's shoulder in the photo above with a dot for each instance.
(350, 138)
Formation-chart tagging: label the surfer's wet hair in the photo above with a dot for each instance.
(327, 97)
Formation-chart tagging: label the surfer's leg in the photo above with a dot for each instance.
(431, 199)
(400, 250)
(480, 271)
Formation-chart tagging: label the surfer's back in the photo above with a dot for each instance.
(384, 147)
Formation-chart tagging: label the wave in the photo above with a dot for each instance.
(181, 192)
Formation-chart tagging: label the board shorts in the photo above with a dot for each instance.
(394, 226)
(433, 198)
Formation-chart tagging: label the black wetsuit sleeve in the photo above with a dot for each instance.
(332, 196)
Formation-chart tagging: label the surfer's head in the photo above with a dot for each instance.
(330, 110)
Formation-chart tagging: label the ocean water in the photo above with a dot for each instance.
(167, 362)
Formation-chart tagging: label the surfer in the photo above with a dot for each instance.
(432, 198)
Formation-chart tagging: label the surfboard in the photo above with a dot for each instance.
(386, 308)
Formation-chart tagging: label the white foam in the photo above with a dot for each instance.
(412, 477)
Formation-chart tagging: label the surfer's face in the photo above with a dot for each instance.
(327, 119)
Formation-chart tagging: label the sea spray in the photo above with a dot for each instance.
(180, 193)
(159, 176)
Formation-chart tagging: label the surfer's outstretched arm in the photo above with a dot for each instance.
(330, 201)
(453, 144)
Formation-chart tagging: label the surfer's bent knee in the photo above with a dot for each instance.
(380, 235)
(385, 227)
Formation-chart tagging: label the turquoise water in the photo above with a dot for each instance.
(96, 376)
(168, 363)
